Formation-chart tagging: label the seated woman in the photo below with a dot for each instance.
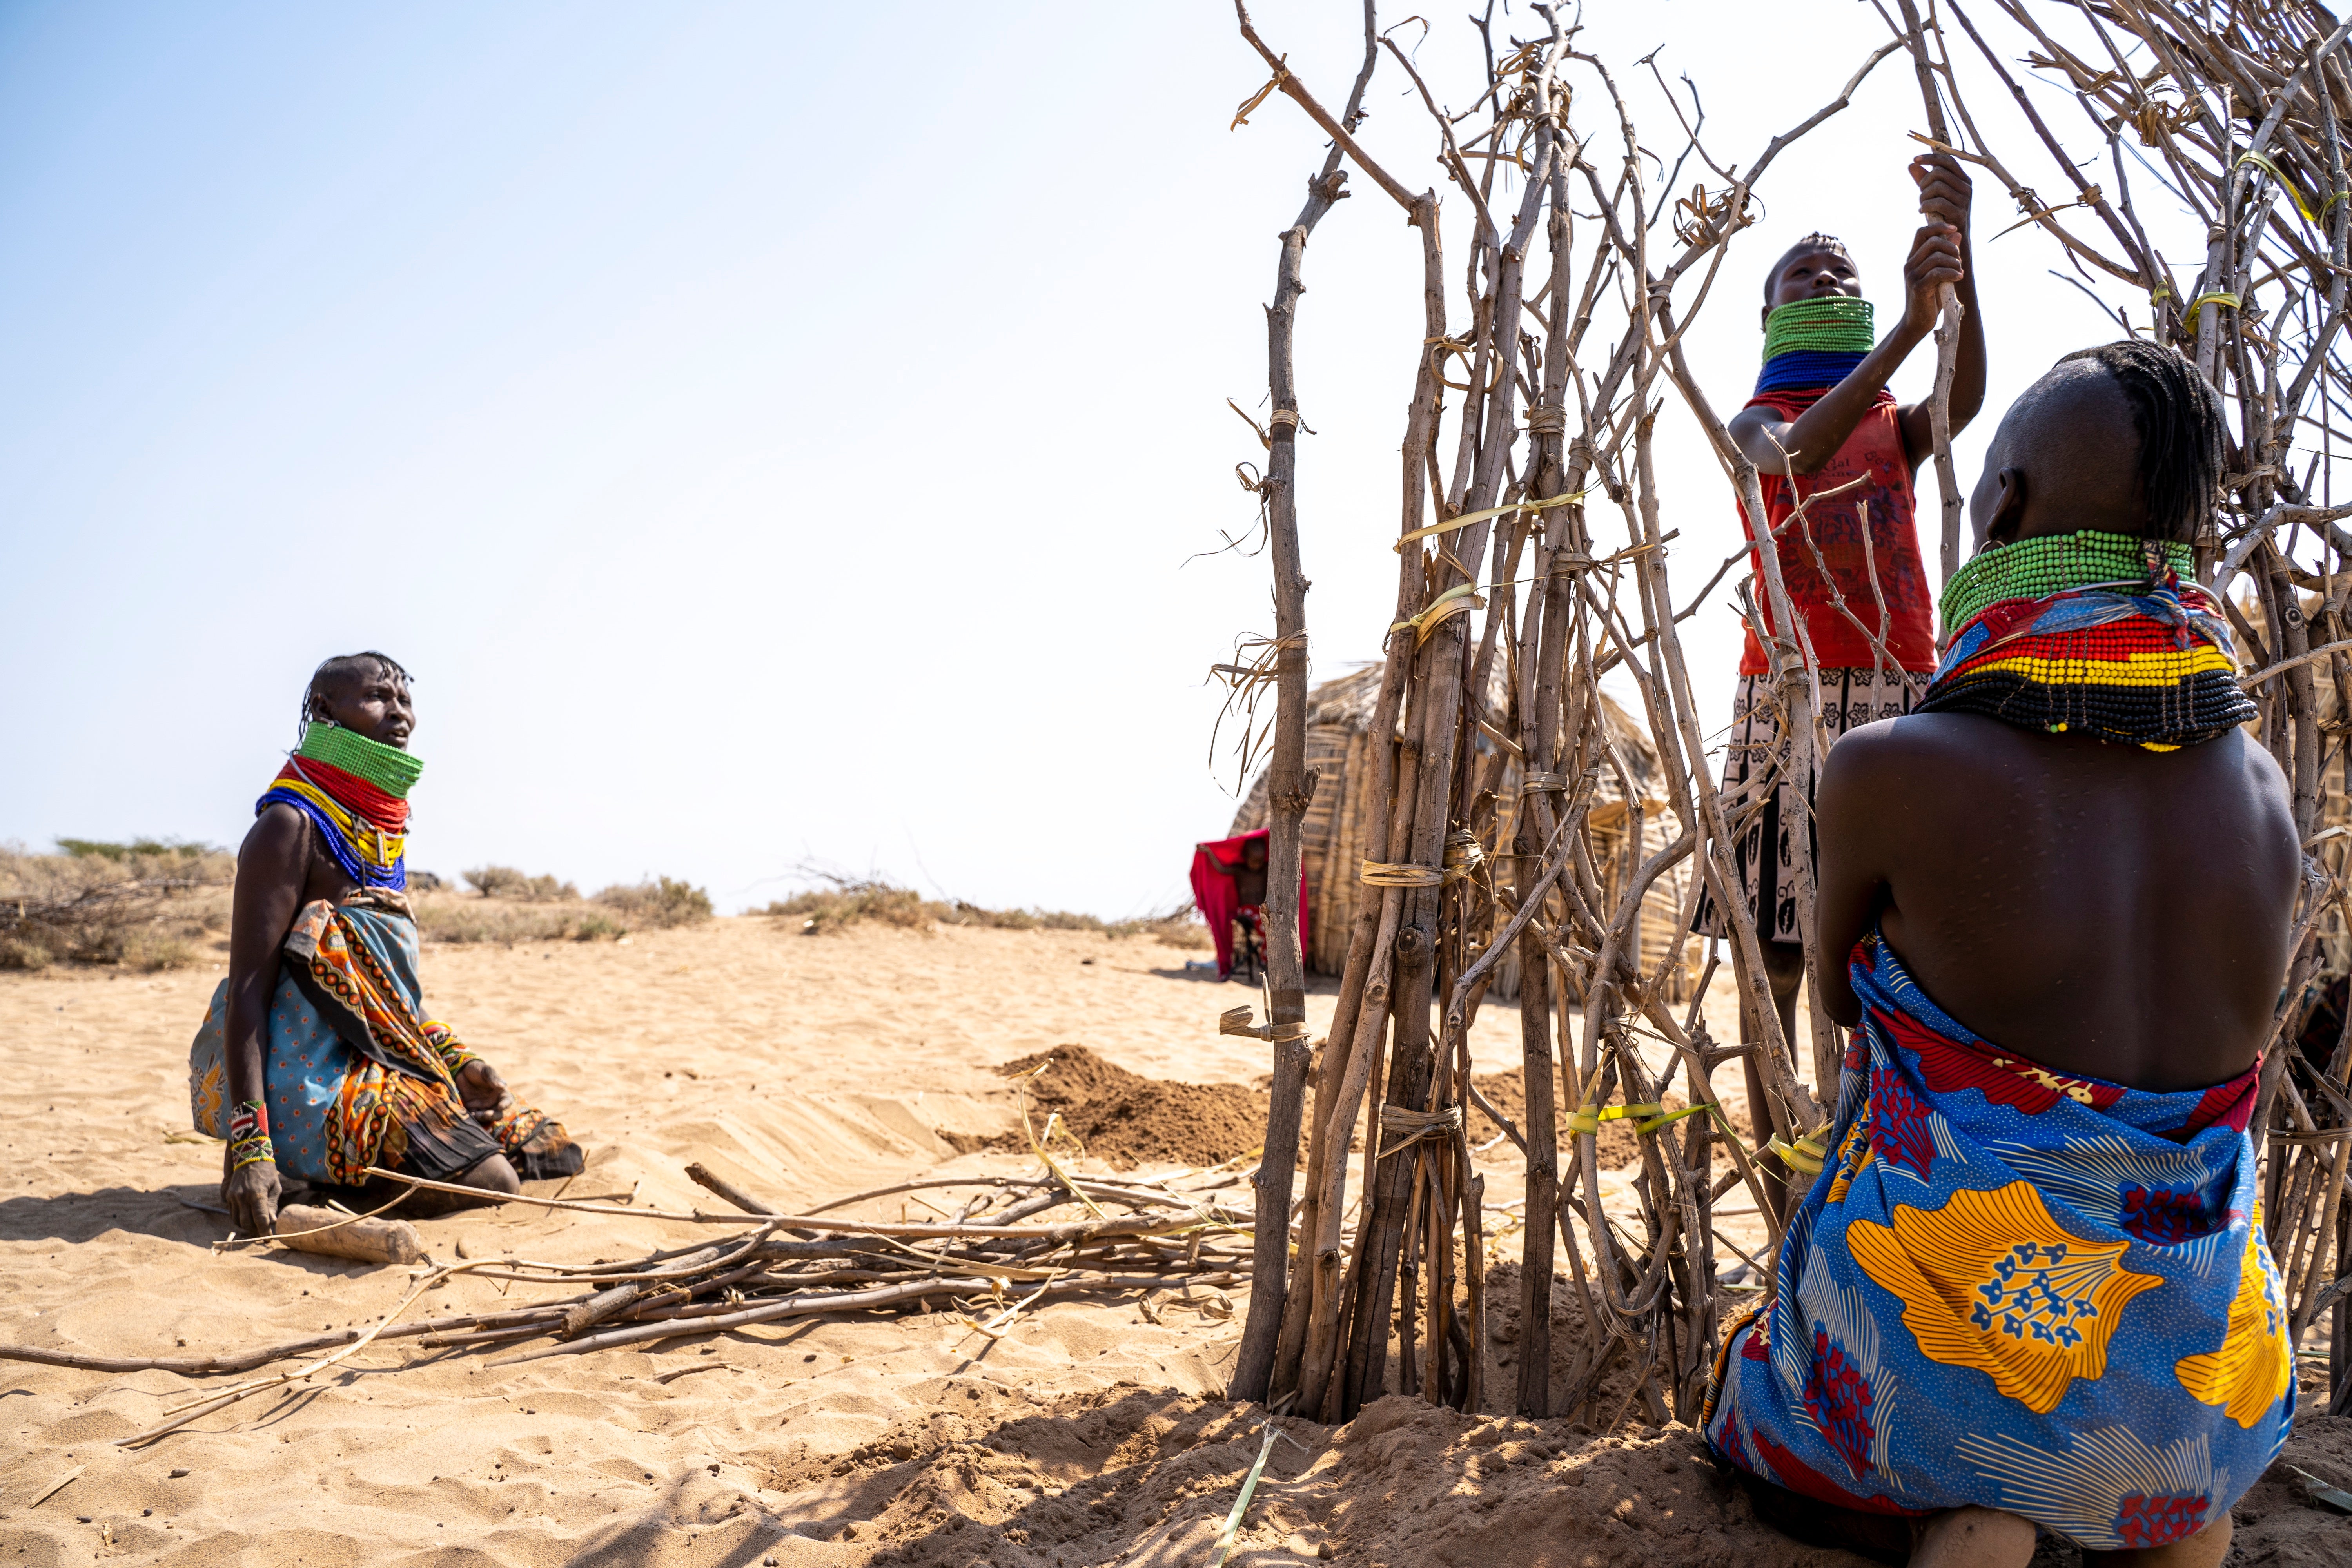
(316, 1056)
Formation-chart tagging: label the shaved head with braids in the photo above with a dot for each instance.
(2176, 416)
(2123, 438)
(333, 674)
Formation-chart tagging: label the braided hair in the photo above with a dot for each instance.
(2178, 417)
(1815, 241)
(331, 670)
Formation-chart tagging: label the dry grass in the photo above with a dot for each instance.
(470, 916)
(658, 902)
(156, 904)
(512, 907)
(145, 904)
(848, 901)
(506, 882)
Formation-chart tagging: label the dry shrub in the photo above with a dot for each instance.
(468, 917)
(850, 899)
(151, 950)
(1179, 927)
(143, 904)
(848, 902)
(511, 907)
(658, 902)
(506, 882)
(463, 917)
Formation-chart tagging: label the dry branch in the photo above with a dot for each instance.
(758, 1275)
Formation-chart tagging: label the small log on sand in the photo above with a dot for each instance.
(330, 1234)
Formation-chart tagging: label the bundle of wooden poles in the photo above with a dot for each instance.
(1534, 562)
(993, 1257)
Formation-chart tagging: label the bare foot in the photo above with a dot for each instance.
(2204, 1550)
(1974, 1538)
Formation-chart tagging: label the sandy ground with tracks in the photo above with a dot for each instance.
(803, 1069)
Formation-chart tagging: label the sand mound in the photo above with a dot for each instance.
(1129, 1120)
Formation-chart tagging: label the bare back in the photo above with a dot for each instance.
(2101, 909)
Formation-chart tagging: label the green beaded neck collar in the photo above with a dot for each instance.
(2052, 564)
(388, 768)
(1835, 324)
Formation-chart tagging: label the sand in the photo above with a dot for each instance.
(803, 1068)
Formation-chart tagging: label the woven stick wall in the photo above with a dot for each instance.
(1532, 562)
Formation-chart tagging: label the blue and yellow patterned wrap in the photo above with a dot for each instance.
(2015, 1288)
(354, 1074)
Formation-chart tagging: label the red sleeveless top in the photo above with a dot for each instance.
(1874, 455)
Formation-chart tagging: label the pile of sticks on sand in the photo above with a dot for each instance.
(991, 1259)
(1533, 559)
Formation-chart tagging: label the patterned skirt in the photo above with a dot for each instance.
(353, 1074)
(2017, 1289)
(1765, 853)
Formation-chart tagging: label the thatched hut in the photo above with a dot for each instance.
(1340, 749)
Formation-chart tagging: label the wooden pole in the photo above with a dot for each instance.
(1290, 784)
(1947, 320)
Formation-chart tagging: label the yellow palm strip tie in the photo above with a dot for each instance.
(2261, 161)
(1236, 1021)
(1589, 1119)
(1647, 1118)
(1805, 1154)
(1467, 518)
(1654, 1122)
(2217, 297)
(1458, 600)
(1399, 874)
(1241, 115)
(1416, 1125)
(1464, 855)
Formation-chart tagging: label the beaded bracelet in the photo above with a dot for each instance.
(248, 1135)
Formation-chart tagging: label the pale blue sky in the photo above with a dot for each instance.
(767, 432)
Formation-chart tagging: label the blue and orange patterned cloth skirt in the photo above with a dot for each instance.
(355, 1074)
(2014, 1288)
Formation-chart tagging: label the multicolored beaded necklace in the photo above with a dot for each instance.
(2092, 634)
(355, 791)
(1813, 345)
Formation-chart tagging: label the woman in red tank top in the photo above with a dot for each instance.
(1821, 418)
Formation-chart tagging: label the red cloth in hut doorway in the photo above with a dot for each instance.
(1215, 890)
